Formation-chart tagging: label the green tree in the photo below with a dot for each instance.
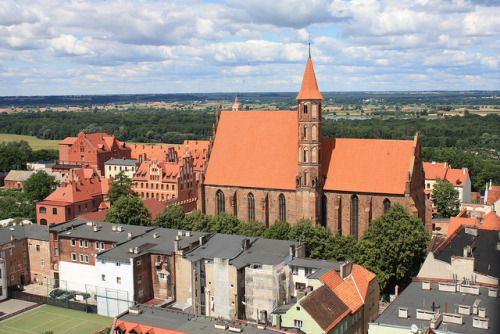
(128, 210)
(14, 155)
(39, 185)
(253, 229)
(393, 247)
(120, 186)
(304, 231)
(279, 230)
(171, 217)
(225, 223)
(445, 198)
(197, 221)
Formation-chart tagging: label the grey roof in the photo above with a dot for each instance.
(23, 232)
(265, 251)
(414, 297)
(182, 322)
(322, 267)
(66, 166)
(162, 244)
(221, 246)
(121, 162)
(77, 228)
(19, 175)
(486, 257)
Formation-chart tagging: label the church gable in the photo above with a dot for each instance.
(366, 165)
(255, 149)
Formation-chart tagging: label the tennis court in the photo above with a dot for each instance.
(59, 320)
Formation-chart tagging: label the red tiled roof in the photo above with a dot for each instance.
(159, 152)
(324, 307)
(309, 89)
(257, 149)
(362, 277)
(97, 216)
(68, 141)
(331, 279)
(128, 326)
(493, 195)
(154, 206)
(434, 170)
(349, 294)
(457, 177)
(490, 222)
(366, 165)
(78, 187)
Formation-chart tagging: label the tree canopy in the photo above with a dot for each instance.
(393, 247)
(171, 217)
(39, 185)
(120, 186)
(128, 210)
(445, 198)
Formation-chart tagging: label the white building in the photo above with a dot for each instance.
(3, 280)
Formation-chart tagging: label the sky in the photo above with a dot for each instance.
(79, 47)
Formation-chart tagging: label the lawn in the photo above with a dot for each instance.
(59, 320)
(34, 142)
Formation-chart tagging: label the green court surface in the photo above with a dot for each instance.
(56, 319)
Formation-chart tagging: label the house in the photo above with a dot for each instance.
(453, 307)
(83, 191)
(16, 178)
(143, 268)
(114, 166)
(148, 319)
(470, 254)
(275, 165)
(492, 197)
(442, 170)
(92, 150)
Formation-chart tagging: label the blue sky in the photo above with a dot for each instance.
(56, 47)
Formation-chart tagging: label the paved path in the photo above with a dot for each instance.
(13, 305)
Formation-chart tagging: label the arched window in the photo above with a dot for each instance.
(43, 221)
(251, 207)
(387, 205)
(305, 131)
(282, 204)
(42, 209)
(324, 210)
(305, 178)
(314, 133)
(354, 216)
(221, 207)
(314, 155)
(305, 155)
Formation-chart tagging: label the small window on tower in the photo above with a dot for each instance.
(305, 108)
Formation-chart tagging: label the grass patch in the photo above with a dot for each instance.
(59, 320)
(34, 142)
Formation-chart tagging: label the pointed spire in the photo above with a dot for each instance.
(236, 105)
(309, 89)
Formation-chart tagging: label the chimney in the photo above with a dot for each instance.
(136, 250)
(156, 235)
(466, 253)
(245, 244)
(113, 228)
(346, 269)
(464, 170)
(291, 251)
(397, 291)
(201, 240)
(129, 235)
(176, 244)
(12, 237)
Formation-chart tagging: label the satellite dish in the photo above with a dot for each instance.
(414, 328)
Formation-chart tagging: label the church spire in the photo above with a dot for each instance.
(309, 89)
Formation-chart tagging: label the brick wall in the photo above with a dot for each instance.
(39, 260)
(15, 254)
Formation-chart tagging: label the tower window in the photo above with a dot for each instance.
(305, 131)
(305, 108)
(387, 205)
(305, 155)
(220, 202)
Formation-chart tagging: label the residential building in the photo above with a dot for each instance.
(275, 165)
(477, 215)
(442, 170)
(453, 307)
(492, 197)
(83, 191)
(148, 319)
(16, 178)
(470, 254)
(92, 150)
(114, 166)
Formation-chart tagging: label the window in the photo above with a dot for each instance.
(324, 210)
(387, 205)
(251, 207)
(118, 264)
(69, 211)
(43, 221)
(103, 277)
(1, 290)
(30, 247)
(139, 279)
(80, 242)
(37, 248)
(119, 280)
(308, 271)
(86, 244)
(97, 245)
(73, 256)
(305, 132)
(162, 276)
(102, 245)
(86, 259)
(282, 208)
(297, 308)
(305, 155)
(42, 209)
(81, 257)
(54, 211)
(300, 286)
(73, 242)
(354, 216)
(220, 202)
(141, 292)
(297, 323)
(139, 262)
(305, 108)
(295, 270)
(42, 263)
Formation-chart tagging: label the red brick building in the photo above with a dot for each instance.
(275, 165)
(82, 192)
(92, 150)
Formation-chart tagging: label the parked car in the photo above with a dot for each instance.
(56, 293)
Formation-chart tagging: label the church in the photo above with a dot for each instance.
(275, 165)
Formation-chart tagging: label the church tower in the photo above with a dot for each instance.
(309, 180)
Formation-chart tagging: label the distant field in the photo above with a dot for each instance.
(59, 320)
(35, 143)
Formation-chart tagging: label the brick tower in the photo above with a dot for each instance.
(309, 180)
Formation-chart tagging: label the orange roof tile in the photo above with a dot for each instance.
(490, 222)
(68, 141)
(309, 89)
(362, 277)
(129, 326)
(159, 152)
(331, 279)
(97, 216)
(154, 206)
(349, 294)
(257, 149)
(434, 170)
(366, 165)
(493, 195)
(457, 177)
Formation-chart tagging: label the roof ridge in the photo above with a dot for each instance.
(357, 288)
